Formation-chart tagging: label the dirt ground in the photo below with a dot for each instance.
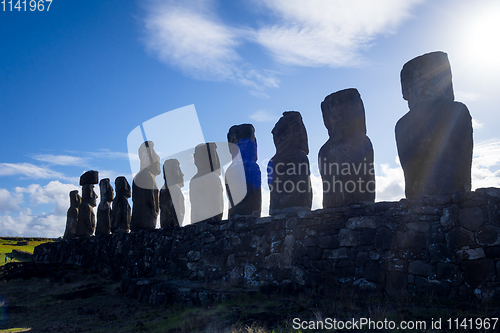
(60, 298)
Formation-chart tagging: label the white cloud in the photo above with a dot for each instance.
(463, 96)
(389, 183)
(263, 116)
(486, 164)
(42, 225)
(9, 202)
(60, 159)
(27, 224)
(106, 153)
(328, 33)
(317, 187)
(189, 35)
(54, 192)
(28, 170)
(476, 124)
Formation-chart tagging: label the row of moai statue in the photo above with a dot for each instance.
(81, 219)
(434, 142)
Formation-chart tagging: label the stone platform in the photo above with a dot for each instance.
(448, 245)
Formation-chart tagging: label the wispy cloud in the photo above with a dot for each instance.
(29, 170)
(328, 33)
(189, 35)
(60, 159)
(263, 116)
(464, 96)
(108, 154)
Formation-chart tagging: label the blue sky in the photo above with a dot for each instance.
(76, 80)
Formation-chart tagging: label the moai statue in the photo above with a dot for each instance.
(243, 175)
(120, 214)
(346, 159)
(205, 189)
(104, 208)
(72, 215)
(434, 138)
(171, 198)
(145, 194)
(86, 217)
(288, 170)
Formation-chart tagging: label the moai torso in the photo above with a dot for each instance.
(86, 217)
(434, 138)
(289, 170)
(72, 215)
(120, 214)
(145, 194)
(205, 189)
(171, 198)
(346, 159)
(243, 176)
(104, 208)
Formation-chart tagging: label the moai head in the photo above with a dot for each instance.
(88, 195)
(243, 136)
(87, 181)
(106, 190)
(344, 114)
(172, 173)
(149, 158)
(290, 133)
(206, 158)
(122, 187)
(427, 77)
(75, 199)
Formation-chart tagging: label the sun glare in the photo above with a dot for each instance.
(481, 38)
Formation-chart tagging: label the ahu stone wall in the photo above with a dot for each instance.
(446, 244)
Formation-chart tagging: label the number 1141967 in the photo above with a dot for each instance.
(25, 5)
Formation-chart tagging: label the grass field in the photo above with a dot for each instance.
(7, 244)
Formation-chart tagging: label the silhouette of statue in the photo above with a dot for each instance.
(72, 215)
(104, 208)
(120, 214)
(346, 159)
(243, 177)
(205, 189)
(145, 196)
(171, 198)
(434, 138)
(86, 217)
(288, 170)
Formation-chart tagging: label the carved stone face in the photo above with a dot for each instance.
(106, 190)
(88, 194)
(204, 162)
(172, 173)
(122, 187)
(149, 158)
(344, 114)
(427, 77)
(75, 198)
(290, 133)
(242, 139)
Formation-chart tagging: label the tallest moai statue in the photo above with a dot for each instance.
(434, 138)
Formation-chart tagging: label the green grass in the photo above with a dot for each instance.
(7, 244)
